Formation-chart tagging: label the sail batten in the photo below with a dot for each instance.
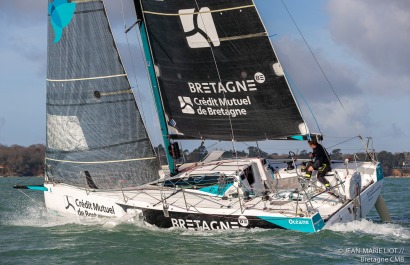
(255, 35)
(85, 78)
(217, 71)
(196, 13)
(93, 122)
(101, 162)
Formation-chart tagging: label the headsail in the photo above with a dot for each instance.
(95, 134)
(218, 74)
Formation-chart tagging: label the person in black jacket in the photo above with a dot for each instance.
(321, 163)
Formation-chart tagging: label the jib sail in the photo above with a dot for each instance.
(95, 134)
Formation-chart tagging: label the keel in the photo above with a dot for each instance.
(381, 208)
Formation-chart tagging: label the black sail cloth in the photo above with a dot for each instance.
(215, 68)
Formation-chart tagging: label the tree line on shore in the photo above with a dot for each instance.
(18, 160)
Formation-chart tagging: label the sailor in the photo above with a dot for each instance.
(321, 163)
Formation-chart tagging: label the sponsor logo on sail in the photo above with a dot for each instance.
(237, 86)
(224, 98)
(186, 105)
(61, 13)
(214, 106)
(199, 28)
(220, 88)
(260, 78)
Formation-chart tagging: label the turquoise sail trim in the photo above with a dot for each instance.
(307, 225)
(215, 189)
(297, 137)
(157, 96)
(39, 188)
(61, 13)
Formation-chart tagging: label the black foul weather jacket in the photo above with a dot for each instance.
(321, 157)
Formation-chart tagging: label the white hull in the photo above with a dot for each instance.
(195, 209)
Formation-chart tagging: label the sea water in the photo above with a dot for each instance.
(31, 235)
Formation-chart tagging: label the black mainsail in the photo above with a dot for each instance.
(95, 134)
(217, 72)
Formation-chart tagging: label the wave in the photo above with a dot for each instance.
(36, 215)
(384, 230)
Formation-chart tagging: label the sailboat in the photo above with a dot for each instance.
(215, 76)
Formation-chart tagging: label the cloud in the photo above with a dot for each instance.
(393, 130)
(24, 31)
(304, 72)
(24, 27)
(24, 13)
(31, 43)
(353, 119)
(376, 31)
(336, 123)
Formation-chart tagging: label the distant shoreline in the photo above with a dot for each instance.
(21, 176)
(399, 177)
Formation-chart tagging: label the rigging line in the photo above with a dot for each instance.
(293, 84)
(310, 49)
(212, 145)
(321, 69)
(85, 1)
(339, 137)
(85, 78)
(196, 13)
(39, 204)
(101, 162)
(259, 150)
(219, 77)
(343, 142)
(263, 148)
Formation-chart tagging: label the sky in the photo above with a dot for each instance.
(361, 45)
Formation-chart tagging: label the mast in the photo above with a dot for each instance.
(155, 88)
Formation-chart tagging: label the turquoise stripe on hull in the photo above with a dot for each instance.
(302, 224)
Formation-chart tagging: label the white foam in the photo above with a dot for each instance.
(37, 216)
(384, 230)
(185, 232)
